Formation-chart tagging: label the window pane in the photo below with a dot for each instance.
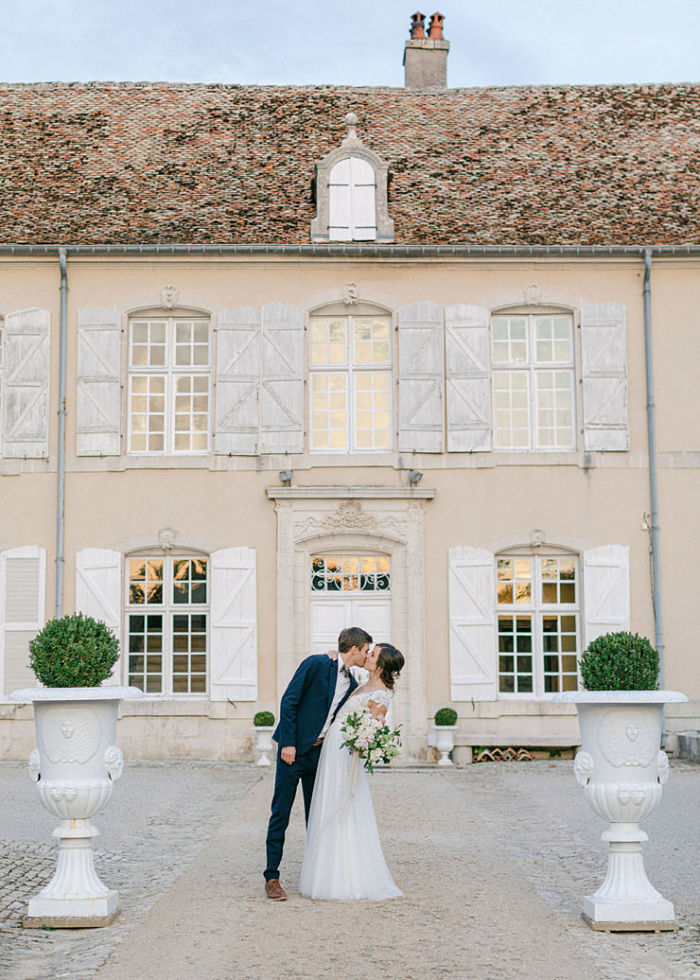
(371, 340)
(328, 421)
(511, 409)
(328, 341)
(373, 423)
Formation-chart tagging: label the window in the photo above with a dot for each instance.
(351, 573)
(168, 385)
(352, 215)
(533, 381)
(167, 615)
(350, 384)
(538, 624)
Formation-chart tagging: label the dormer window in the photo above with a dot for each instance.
(351, 191)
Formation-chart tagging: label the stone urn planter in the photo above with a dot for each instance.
(445, 725)
(76, 762)
(264, 726)
(623, 770)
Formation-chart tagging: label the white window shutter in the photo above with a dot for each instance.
(98, 592)
(99, 381)
(25, 423)
(468, 378)
(22, 613)
(282, 391)
(339, 202)
(604, 377)
(234, 634)
(238, 382)
(421, 378)
(472, 600)
(606, 591)
(363, 200)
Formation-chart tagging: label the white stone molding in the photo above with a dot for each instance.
(350, 294)
(169, 297)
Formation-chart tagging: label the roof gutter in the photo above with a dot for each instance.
(367, 251)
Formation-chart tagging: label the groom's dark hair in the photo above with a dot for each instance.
(353, 636)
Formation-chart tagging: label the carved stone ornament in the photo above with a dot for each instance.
(114, 762)
(34, 765)
(169, 297)
(350, 293)
(166, 538)
(71, 739)
(537, 537)
(663, 768)
(583, 767)
(349, 514)
(532, 294)
(627, 739)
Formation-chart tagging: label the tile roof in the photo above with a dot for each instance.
(108, 163)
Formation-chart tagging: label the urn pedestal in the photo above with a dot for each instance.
(74, 767)
(623, 770)
(263, 743)
(444, 742)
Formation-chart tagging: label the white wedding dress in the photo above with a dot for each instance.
(343, 860)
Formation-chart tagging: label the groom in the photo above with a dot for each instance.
(318, 689)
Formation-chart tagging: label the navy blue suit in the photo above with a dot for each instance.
(303, 712)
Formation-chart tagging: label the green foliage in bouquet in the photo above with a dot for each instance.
(74, 651)
(263, 719)
(620, 662)
(445, 716)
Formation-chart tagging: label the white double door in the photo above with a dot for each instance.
(329, 615)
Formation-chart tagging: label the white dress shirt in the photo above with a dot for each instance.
(341, 685)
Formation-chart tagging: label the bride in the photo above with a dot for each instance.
(343, 859)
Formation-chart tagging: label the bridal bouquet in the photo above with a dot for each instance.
(370, 738)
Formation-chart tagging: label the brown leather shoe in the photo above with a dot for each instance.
(274, 890)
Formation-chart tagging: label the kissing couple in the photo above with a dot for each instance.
(343, 859)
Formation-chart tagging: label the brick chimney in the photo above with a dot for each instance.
(425, 58)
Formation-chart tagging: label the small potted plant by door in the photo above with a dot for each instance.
(445, 726)
(264, 726)
(622, 769)
(76, 761)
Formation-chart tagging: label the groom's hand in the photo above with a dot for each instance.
(288, 754)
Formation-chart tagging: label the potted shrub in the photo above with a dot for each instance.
(264, 725)
(445, 724)
(76, 761)
(622, 769)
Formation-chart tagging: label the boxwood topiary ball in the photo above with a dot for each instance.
(620, 662)
(263, 719)
(74, 651)
(446, 716)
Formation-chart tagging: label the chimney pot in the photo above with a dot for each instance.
(435, 30)
(417, 25)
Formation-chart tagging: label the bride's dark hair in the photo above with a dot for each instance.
(390, 661)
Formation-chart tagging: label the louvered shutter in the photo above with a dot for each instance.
(22, 605)
(468, 378)
(606, 591)
(472, 598)
(234, 639)
(421, 378)
(282, 391)
(98, 592)
(339, 207)
(604, 377)
(25, 409)
(238, 382)
(99, 382)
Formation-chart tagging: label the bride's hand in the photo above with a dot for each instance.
(333, 654)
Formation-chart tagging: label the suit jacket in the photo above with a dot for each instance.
(307, 701)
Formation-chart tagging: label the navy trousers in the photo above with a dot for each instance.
(286, 781)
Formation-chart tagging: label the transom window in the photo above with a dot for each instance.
(167, 612)
(350, 383)
(168, 385)
(538, 624)
(351, 573)
(533, 381)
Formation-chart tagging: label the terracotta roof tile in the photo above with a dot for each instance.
(107, 163)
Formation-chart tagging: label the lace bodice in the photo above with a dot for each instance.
(356, 702)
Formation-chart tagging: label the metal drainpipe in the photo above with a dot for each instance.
(653, 487)
(61, 452)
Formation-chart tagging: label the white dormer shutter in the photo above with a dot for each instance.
(468, 378)
(238, 382)
(98, 592)
(421, 378)
(606, 591)
(234, 637)
(282, 391)
(22, 615)
(604, 377)
(25, 410)
(473, 651)
(352, 211)
(99, 381)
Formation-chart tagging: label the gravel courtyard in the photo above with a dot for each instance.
(493, 860)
